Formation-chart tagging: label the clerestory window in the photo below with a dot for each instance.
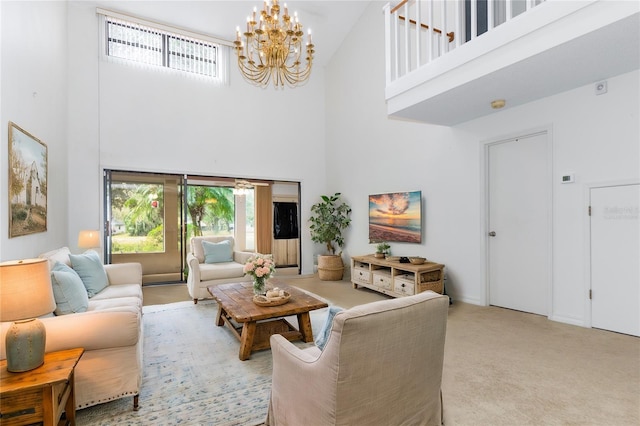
(145, 43)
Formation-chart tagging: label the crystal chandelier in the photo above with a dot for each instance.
(272, 48)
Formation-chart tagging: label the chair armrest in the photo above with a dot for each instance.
(292, 352)
(194, 269)
(124, 273)
(303, 378)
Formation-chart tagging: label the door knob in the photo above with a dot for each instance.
(492, 233)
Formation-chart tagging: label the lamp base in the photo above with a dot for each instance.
(25, 344)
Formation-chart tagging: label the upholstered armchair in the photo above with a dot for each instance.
(213, 260)
(381, 365)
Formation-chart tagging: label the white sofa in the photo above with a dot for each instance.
(110, 331)
(202, 275)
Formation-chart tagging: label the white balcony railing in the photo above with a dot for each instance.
(420, 31)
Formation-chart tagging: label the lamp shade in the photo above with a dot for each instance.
(88, 239)
(25, 289)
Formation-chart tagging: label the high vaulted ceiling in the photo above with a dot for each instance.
(329, 20)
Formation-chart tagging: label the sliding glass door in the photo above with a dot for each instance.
(143, 224)
(151, 217)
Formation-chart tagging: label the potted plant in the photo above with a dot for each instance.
(382, 249)
(328, 219)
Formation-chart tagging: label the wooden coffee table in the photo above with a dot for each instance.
(253, 325)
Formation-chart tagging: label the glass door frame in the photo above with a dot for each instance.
(172, 214)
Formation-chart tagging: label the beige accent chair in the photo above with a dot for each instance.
(381, 365)
(202, 275)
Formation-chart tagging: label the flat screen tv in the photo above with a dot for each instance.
(285, 220)
(395, 216)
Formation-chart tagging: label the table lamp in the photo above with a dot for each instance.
(25, 293)
(88, 239)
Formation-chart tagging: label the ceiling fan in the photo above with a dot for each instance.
(243, 183)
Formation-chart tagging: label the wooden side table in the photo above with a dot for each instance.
(41, 394)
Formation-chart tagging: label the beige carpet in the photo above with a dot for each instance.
(504, 367)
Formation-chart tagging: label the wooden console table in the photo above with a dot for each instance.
(395, 278)
(41, 394)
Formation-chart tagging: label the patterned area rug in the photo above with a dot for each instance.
(192, 374)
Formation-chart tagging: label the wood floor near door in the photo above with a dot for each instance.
(161, 294)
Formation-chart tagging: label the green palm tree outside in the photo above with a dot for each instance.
(213, 205)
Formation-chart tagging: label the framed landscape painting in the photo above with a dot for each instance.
(27, 183)
(395, 216)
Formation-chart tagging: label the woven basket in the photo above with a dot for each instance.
(431, 276)
(330, 268)
(436, 286)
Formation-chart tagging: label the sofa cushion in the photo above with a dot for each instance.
(58, 255)
(117, 302)
(68, 290)
(121, 290)
(196, 245)
(89, 266)
(216, 271)
(217, 252)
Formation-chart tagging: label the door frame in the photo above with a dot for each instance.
(484, 209)
(587, 187)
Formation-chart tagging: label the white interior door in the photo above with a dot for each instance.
(615, 258)
(519, 224)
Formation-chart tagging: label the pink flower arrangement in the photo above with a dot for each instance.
(260, 266)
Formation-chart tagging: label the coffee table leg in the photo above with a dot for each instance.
(219, 319)
(246, 339)
(304, 322)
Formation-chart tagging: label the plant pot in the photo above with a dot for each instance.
(330, 267)
(379, 255)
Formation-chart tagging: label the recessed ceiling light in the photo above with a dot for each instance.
(498, 103)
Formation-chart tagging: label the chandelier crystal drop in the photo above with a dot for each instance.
(271, 49)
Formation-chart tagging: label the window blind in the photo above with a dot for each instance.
(130, 38)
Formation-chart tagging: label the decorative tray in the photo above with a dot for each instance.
(261, 300)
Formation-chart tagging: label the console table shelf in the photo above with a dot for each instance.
(394, 278)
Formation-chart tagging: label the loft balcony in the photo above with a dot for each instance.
(447, 60)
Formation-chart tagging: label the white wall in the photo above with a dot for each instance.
(130, 118)
(595, 137)
(34, 92)
(369, 154)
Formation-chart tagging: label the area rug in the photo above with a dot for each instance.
(192, 374)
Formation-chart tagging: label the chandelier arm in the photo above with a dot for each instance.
(252, 72)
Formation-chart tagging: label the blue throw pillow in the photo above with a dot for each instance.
(68, 290)
(323, 336)
(217, 252)
(89, 267)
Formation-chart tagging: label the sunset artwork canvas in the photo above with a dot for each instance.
(395, 216)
